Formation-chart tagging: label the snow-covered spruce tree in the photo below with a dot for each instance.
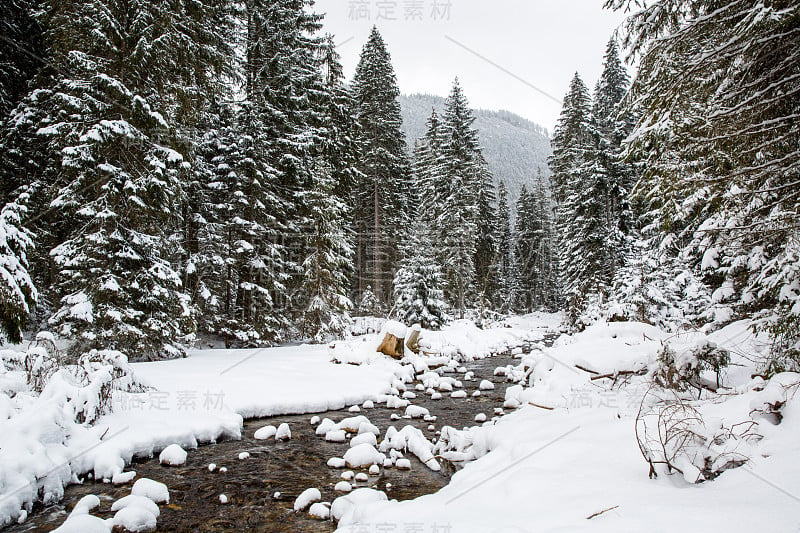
(716, 90)
(202, 76)
(418, 295)
(339, 147)
(382, 205)
(458, 219)
(17, 293)
(430, 176)
(286, 92)
(325, 282)
(369, 304)
(116, 181)
(535, 288)
(615, 176)
(487, 261)
(580, 211)
(504, 296)
(340, 130)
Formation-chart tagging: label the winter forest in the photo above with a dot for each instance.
(190, 174)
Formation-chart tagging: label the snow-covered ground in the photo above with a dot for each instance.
(555, 465)
(567, 459)
(199, 399)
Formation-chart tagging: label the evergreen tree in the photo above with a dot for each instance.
(17, 292)
(325, 269)
(369, 304)
(430, 174)
(486, 254)
(458, 218)
(115, 171)
(718, 144)
(504, 296)
(382, 202)
(613, 125)
(580, 200)
(418, 294)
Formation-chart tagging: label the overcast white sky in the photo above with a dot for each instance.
(542, 42)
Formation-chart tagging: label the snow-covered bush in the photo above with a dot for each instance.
(681, 368)
(86, 387)
(42, 360)
(673, 434)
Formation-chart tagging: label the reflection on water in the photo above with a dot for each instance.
(285, 467)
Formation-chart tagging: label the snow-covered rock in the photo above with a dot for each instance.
(172, 455)
(344, 505)
(306, 498)
(266, 432)
(156, 491)
(321, 511)
(134, 519)
(486, 385)
(336, 462)
(416, 411)
(363, 455)
(368, 438)
(343, 486)
(123, 477)
(136, 501)
(283, 432)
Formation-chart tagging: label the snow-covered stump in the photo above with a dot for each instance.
(413, 338)
(394, 336)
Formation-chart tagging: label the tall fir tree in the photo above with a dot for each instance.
(534, 253)
(382, 203)
(458, 219)
(117, 177)
(325, 268)
(504, 297)
(580, 202)
(430, 174)
(487, 260)
(613, 125)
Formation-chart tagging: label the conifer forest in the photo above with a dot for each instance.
(179, 175)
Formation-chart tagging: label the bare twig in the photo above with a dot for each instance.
(601, 512)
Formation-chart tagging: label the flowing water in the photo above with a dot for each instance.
(287, 468)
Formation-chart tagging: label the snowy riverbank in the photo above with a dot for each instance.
(576, 466)
(199, 399)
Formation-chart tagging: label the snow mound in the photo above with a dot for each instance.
(83, 524)
(156, 491)
(363, 455)
(321, 511)
(306, 498)
(264, 433)
(283, 432)
(343, 507)
(134, 519)
(136, 501)
(172, 455)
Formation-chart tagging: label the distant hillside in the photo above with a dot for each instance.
(514, 147)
